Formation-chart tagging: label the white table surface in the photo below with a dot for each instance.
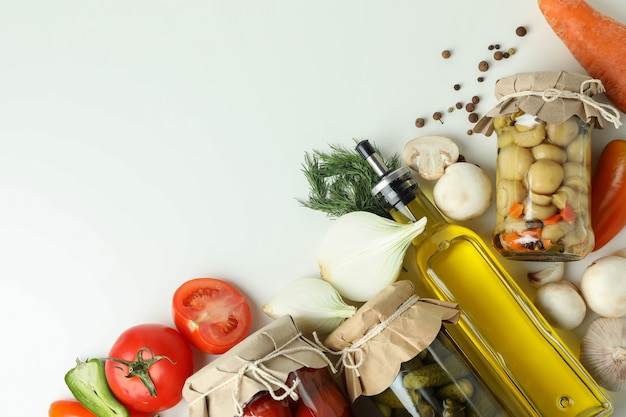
(145, 143)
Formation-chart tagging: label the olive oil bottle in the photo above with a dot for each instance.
(508, 344)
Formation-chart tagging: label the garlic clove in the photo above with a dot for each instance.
(313, 304)
(603, 352)
(362, 253)
(551, 273)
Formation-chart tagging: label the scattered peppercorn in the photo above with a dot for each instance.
(480, 79)
(470, 132)
(470, 107)
(483, 66)
(521, 31)
(497, 46)
(420, 122)
(446, 54)
(473, 117)
(490, 47)
(450, 109)
(506, 55)
(475, 99)
(498, 55)
(511, 51)
(459, 105)
(457, 87)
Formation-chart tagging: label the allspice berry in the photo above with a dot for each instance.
(446, 54)
(483, 66)
(521, 31)
(420, 122)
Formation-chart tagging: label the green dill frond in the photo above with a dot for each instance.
(341, 181)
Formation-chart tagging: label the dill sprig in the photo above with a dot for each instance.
(341, 182)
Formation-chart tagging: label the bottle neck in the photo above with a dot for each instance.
(420, 206)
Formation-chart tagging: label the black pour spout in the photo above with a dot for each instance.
(395, 188)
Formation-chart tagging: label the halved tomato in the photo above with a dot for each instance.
(211, 314)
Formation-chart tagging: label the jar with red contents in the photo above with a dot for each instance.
(275, 372)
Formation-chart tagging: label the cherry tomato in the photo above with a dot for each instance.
(73, 408)
(266, 406)
(608, 193)
(147, 367)
(320, 396)
(211, 314)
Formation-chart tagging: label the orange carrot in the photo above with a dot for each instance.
(552, 219)
(568, 214)
(597, 42)
(516, 210)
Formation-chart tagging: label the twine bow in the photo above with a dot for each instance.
(259, 372)
(347, 355)
(608, 112)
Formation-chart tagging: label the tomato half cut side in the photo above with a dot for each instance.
(211, 314)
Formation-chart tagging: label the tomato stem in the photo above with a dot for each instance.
(140, 368)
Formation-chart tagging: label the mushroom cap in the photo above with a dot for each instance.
(603, 352)
(561, 304)
(464, 192)
(430, 155)
(603, 286)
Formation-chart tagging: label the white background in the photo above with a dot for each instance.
(145, 143)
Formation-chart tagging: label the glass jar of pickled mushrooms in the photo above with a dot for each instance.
(544, 122)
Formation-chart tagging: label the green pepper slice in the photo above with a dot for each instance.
(87, 382)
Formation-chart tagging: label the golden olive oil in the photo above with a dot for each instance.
(510, 346)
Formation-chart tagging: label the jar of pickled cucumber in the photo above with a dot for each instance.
(544, 123)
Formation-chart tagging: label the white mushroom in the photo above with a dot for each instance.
(463, 192)
(604, 287)
(561, 304)
(430, 155)
(603, 352)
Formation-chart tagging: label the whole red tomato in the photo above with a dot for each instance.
(73, 408)
(211, 314)
(266, 406)
(320, 396)
(147, 367)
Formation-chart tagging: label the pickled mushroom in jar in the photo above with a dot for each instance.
(542, 187)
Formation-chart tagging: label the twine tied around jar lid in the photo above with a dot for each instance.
(347, 354)
(272, 384)
(551, 96)
(388, 330)
(261, 362)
